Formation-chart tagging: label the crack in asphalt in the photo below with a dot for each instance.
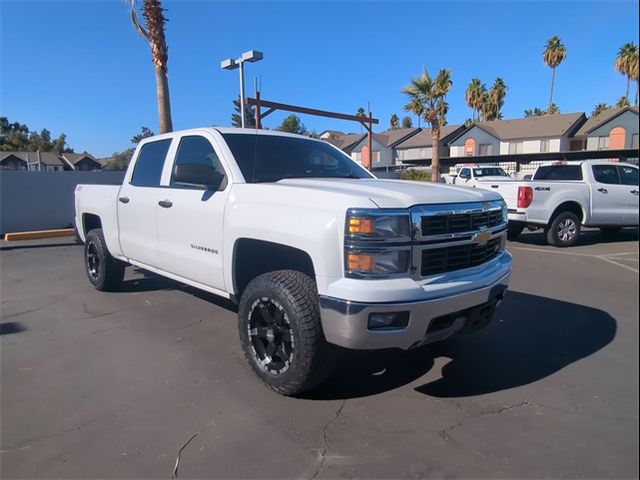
(22, 444)
(184, 445)
(325, 445)
(16, 314)
(444, 433)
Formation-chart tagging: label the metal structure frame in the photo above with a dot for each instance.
(366, 122)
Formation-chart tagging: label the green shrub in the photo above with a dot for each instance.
(415, 174)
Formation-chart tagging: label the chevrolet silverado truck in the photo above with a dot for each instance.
(562, 197)
(315, 250)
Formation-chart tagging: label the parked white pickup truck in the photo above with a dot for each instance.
(471, 176)
(315, 249)
(563, 196)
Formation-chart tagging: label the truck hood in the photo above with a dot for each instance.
(394, 193)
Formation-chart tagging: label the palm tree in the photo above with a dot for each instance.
(496, 96)
(536, 112)
(626, 61)
(153, 33)
(622, 102)
(493, 100)
(394, 122)
(553, 110)
(634, 71)
(485, 109)
(431, 94)
(553, 55)
(599, 108)
(471, 95)
(416, 107)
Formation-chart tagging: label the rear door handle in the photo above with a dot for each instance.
(603, 190)
(634, 192)
(124, 199)
(165, 203)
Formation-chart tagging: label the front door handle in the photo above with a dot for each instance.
(165, 203)
(603, 190)
(634, 192)
(124, 199)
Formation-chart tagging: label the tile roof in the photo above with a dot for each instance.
(532, 127)
(19, 155)
(390, 138)
(74, 158)
(595, 121)
(424, 139)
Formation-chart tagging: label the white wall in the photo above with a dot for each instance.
(531, 146)
(414, 153)
(382, 156)
(592, 143)
(43, 200)
(456, 151)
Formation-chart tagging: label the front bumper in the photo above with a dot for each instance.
(345, 323)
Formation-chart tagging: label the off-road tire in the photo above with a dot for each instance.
(514, 229)
(290, 299)
(564, 230)
(610, 230)
(105, 273)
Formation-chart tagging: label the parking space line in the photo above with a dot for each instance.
(618, 264)
(604, 257)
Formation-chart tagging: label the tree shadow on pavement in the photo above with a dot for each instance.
(530, 338)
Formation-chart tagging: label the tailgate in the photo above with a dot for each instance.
(508, 191)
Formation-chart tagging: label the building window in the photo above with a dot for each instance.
(516, 147)
(486, 149)
(603, 143)
(545, 146)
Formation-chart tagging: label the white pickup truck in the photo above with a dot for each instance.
(314, 249)
(470, 176)
(563, 196)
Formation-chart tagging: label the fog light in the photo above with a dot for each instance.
(388, 321)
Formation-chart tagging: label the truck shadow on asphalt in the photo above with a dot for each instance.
(587, 237)
(530, 338)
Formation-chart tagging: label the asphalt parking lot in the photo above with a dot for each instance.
(116, 384)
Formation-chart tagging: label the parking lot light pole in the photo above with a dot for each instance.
(231, 64)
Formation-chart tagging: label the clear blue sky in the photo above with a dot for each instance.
(78, 67)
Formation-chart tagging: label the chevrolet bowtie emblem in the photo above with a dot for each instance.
(481, 238)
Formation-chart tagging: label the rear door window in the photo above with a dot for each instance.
(606, 174)
(628, 175)
(148, 167)
(559, 172)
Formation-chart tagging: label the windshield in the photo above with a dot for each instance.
(269, 158)
(489, 172)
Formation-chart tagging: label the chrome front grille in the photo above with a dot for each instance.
(448, 259)
(453, 237)
(465, 222)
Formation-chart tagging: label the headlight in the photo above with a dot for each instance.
(379, 263)
(380, 225)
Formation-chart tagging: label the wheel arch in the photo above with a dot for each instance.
(252, 257)
(90, 221)
(572, 206)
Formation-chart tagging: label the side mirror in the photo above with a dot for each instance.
(465, 176)
(198, 175)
